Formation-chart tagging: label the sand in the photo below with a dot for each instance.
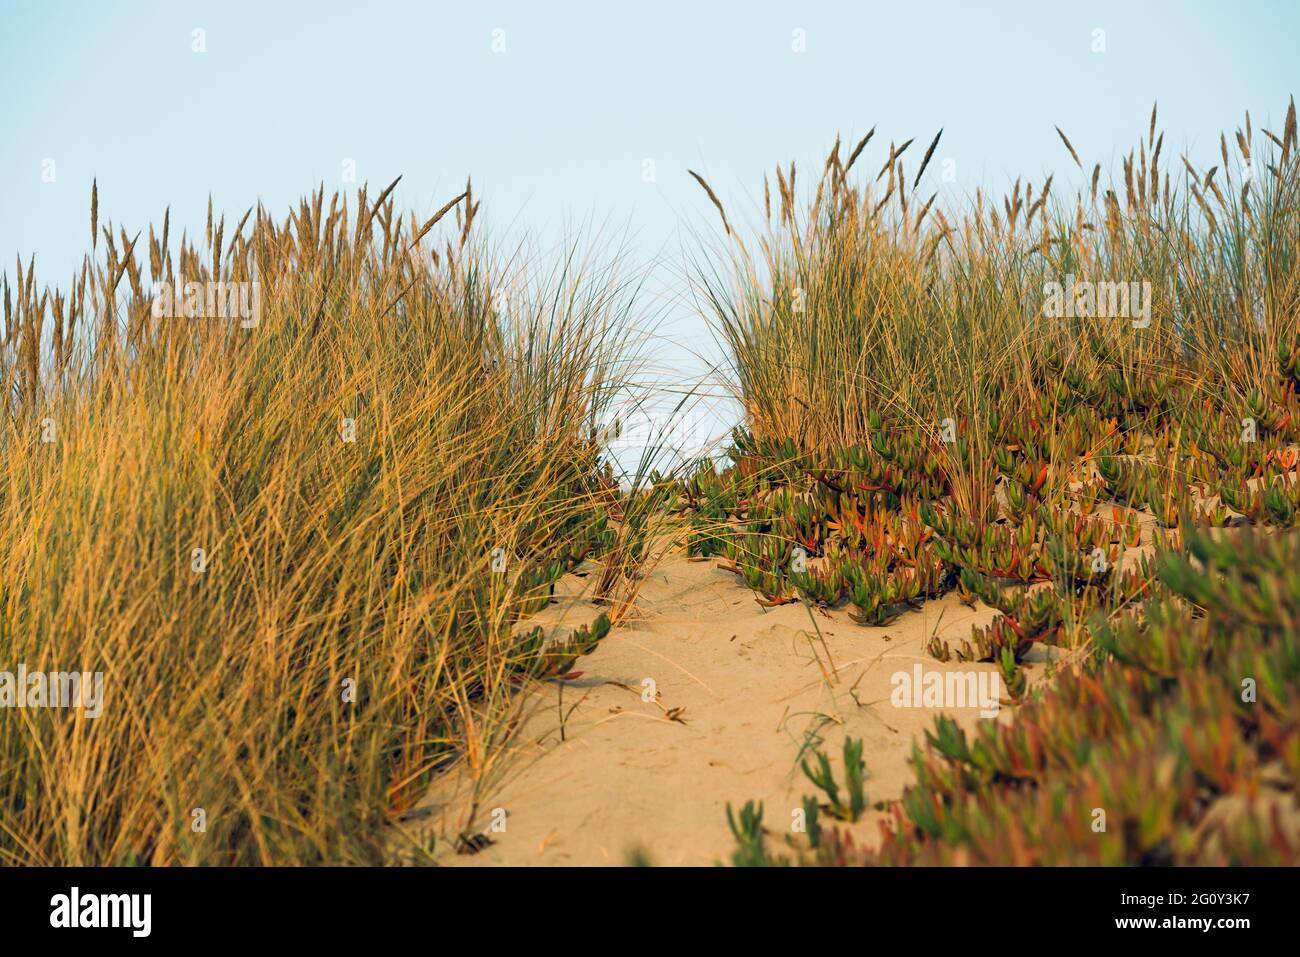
(742, 694)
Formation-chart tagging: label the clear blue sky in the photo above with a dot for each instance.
(556, 128)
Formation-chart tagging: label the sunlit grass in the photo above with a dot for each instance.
(383, 475)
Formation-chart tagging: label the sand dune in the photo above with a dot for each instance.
(743, 693)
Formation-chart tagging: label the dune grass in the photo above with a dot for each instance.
(960, 402)
(294, 543)
(874, 298)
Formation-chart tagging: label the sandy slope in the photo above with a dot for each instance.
(742, 691)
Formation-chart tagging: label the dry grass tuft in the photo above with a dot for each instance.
(298, 549)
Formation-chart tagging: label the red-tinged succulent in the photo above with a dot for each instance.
(824, 585)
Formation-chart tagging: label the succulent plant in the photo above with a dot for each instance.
(850, 805)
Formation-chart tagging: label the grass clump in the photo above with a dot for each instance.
(296, 542)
